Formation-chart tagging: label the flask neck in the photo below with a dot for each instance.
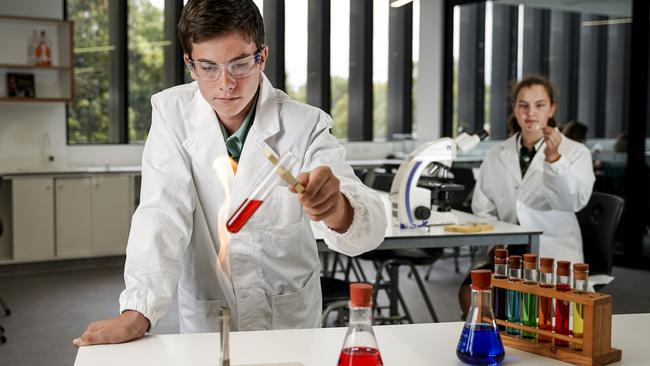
(481, 308)
(360, 315)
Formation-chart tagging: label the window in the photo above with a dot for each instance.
(120, 61)
(340, 68)
(296, 49)
(584, 52)
(146, 62)
(89, 114)
(380, 68)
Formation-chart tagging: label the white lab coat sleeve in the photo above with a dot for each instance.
(161, 226)
(482, 205)
(369, 218)
(568, 182)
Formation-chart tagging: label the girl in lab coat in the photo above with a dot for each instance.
(537, 178)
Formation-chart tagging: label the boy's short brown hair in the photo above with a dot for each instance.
(205, 19)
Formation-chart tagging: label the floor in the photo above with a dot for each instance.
(53, 303)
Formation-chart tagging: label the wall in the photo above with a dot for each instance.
(30, 131)
(26, 128)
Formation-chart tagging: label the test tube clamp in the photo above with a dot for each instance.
(595, 341)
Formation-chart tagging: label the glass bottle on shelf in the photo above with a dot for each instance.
(562, 307)
(43, 50)
(545, 308)
(529, 301)
(580, 285)
(480, 343)
(360, 345)
(500, 271)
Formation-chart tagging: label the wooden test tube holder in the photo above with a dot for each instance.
(597, 333)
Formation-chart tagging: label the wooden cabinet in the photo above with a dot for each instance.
(73, 210)
(111, 198)
(70, 216)
(33, 218)
(53, 83)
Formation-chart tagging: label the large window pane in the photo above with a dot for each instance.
(146, 62)
(295, 47)
(340, 58)
(380, 68)
(584, 50)
(88, 114)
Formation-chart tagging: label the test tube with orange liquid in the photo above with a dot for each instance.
(281, 170)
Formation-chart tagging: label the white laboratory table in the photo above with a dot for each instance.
(413, 345)
(436, 237)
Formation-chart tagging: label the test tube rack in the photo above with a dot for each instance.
(596, 338)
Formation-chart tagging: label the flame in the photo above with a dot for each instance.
(223, 168)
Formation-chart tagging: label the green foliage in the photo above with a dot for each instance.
(91, 114)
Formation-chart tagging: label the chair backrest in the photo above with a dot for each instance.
(598, 223)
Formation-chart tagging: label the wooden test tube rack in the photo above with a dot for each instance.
(597, 334)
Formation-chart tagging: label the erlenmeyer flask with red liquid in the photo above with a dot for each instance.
(360, 346)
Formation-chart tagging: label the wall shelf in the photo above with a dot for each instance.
(52, 84)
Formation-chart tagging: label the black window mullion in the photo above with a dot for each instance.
(471, 63)
(319, 92)
(636, 173)
(400, 70)
(174, 69)
(504, 66)
(274, 29)
(118, 66)
(360, 106)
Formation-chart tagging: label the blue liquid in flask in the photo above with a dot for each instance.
(480, 345)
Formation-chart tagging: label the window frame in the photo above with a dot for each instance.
(119, 78)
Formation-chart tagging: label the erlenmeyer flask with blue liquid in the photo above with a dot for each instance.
(480, 343)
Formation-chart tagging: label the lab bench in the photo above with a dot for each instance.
(413, 344)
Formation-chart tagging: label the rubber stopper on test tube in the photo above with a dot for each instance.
(546, 264)
(563, 268)
(361, 294)
(500, 256)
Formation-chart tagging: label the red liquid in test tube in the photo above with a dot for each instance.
(242, 214)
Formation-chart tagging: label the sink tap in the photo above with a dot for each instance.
(224, 320)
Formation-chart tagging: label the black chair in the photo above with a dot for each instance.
(598, 222)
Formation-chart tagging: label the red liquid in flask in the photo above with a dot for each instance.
(360, 356)
(242, 214)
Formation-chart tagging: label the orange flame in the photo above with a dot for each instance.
(224, 169)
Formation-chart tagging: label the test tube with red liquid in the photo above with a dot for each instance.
(261, 191)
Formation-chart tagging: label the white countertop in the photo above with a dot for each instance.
(413, 345)
(9, 172)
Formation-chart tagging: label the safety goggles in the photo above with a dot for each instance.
(237, 69)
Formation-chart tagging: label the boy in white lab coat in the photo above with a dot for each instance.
(268, 272)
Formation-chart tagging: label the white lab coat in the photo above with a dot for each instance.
(545, 199)
(270, 278)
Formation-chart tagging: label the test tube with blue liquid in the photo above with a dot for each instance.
(281, 170)
(513, 311)
(480, 343)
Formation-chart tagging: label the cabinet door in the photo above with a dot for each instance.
(33, 218)
(73, 217)
(111, 213)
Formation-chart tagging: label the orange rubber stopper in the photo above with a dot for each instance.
(360, 294)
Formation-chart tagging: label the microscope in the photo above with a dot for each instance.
(417, 202)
